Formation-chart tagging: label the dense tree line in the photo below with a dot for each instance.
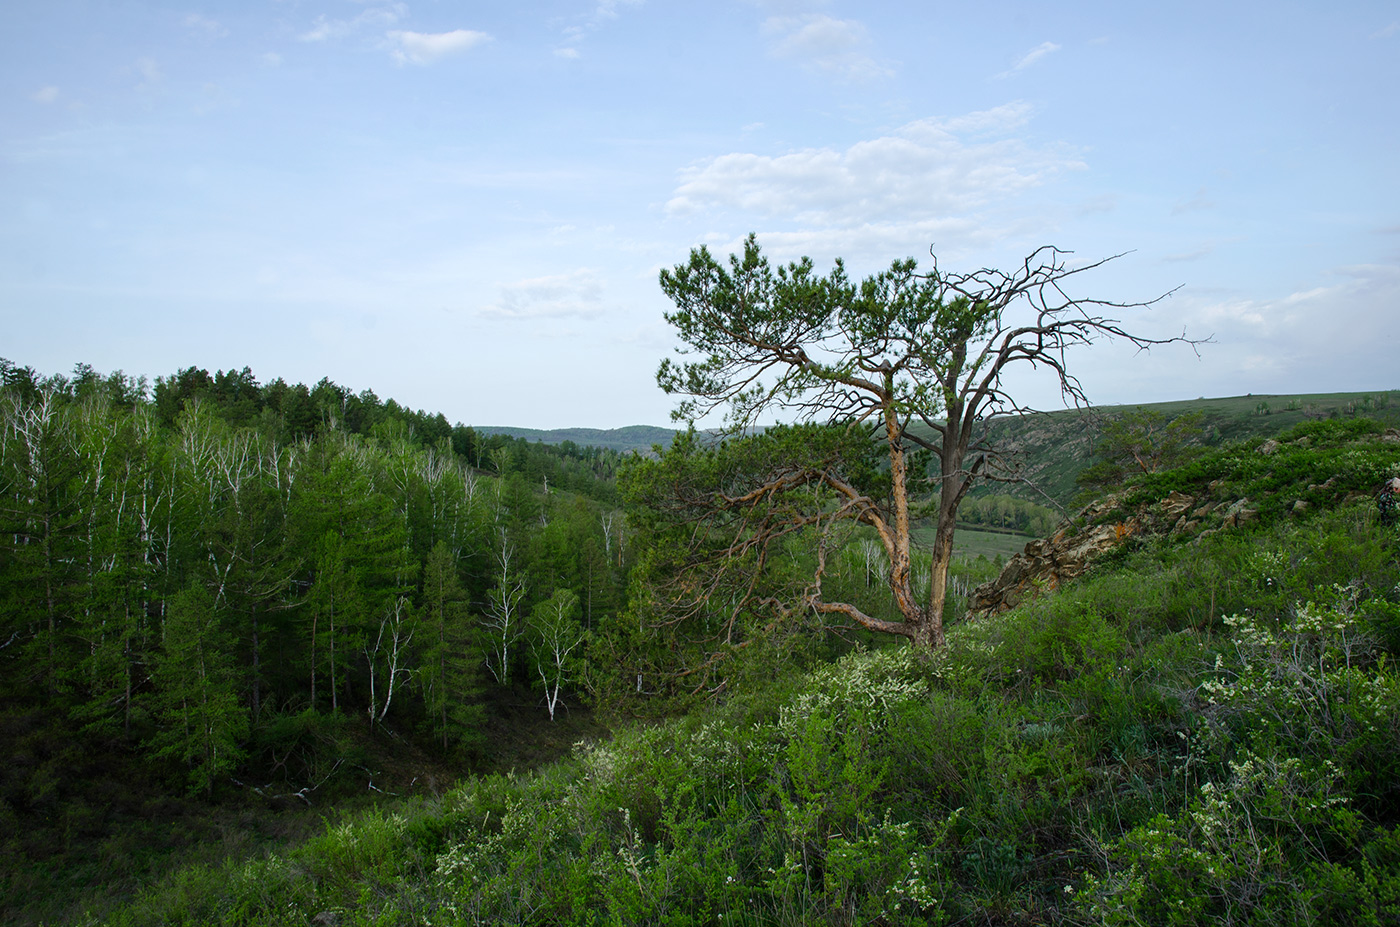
(289, 413)
(182, 567)
(1009, 512)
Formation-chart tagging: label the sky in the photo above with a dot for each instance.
(465, 206)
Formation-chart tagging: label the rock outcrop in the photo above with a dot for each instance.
(1047, 562)
(1070, 551)
(1188, 514)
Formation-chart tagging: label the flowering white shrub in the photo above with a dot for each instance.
(874, 682)
(1315, 677)
(1302, 707)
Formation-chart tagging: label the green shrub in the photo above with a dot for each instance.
(1301, 719)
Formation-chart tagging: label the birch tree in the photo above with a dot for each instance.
(504, 620)
(556, 635)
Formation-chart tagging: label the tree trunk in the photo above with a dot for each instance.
(941, 560)
(899, 544)
(257, 689)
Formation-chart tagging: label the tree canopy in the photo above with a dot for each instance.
(911, 359)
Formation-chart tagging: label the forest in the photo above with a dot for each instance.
(213, 587)
(314, 620)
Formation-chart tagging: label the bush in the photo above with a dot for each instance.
(1302, 719)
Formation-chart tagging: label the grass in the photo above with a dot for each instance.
(1094, 757)
(971, 543)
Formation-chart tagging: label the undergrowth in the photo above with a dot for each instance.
(1204, 734)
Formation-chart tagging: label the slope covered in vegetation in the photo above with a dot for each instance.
(1205, 729)
(1052, 450)
(221, 600)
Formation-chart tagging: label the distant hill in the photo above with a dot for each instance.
(1052, 448)
(639, 438)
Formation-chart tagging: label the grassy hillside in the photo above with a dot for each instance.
(1051, 449)
(972, 543)
(1204, 730)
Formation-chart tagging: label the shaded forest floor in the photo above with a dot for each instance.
(86, 823)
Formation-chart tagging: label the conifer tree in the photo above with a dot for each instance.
(203, 724)
(452, 656)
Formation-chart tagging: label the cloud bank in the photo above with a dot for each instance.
(926, 173)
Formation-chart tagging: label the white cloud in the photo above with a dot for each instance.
(427, 47)
(574, 34)
(205, 25)
(378, 16)
(1035, 54)
(578, 294)
(1030, 58)
(607, 9)
(1329, 337)
(1388, 31)
(922, 172)
(270, 59)
(1001, 118)
(835, 46)
(324, 28)
(45, 95)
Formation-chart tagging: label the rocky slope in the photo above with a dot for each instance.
(1281, 478)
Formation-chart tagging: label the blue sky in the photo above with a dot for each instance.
(464, 206)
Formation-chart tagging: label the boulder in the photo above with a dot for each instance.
(1176, 504)
(1047, 562)
(1183, 526)
(1239, 513)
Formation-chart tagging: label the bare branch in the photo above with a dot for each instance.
(901, 346)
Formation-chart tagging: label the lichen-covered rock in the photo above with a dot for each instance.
(1047, 562)
(1176, 504)
(1240, 513)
